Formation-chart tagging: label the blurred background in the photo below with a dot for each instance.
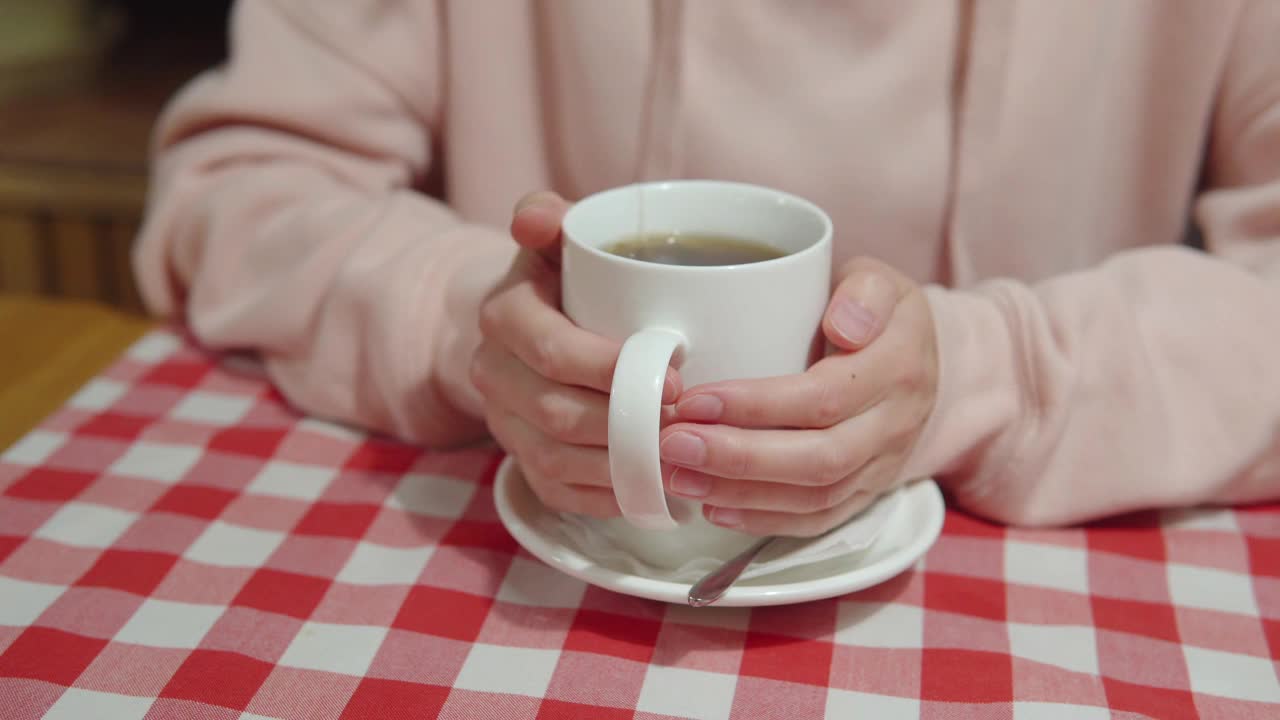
(81, 84)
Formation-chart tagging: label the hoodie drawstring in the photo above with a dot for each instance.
(660, 146)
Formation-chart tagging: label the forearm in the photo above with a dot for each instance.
(284, 220)
(1146, 382)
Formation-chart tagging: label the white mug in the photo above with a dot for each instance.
(712, 323)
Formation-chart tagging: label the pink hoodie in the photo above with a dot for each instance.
(1035, 163)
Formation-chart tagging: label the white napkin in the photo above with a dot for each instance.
(590, 538)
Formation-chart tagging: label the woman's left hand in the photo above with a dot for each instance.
(800, 454)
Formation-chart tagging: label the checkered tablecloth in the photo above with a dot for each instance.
(176, 543)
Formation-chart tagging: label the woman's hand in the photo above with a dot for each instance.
(546, 381)
(800, 454)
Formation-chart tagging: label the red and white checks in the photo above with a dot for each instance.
(176, 543)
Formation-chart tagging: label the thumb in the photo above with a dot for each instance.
(862, 303)
(535, 223)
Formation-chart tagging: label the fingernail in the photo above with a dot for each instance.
(531, 200)
(670, 387)
(684, 448)
(703, 408)
(726, 517)
(690, 484)
(853, 321)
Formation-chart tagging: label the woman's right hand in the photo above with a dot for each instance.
(545, 381)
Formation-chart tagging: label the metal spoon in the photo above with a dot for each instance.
(716, 583)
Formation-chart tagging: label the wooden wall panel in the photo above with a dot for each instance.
(68, 255)
(21, 254)
(119, 241)
(73, 241)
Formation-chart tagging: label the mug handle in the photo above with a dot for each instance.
(635, 414)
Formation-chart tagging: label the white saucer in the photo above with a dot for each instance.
(906, 536)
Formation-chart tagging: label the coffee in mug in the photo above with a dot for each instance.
(671, 248)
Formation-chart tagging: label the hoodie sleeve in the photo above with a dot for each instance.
(285, 221)
(1150, 381)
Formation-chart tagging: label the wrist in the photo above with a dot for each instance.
(470, 282)
(977, 392)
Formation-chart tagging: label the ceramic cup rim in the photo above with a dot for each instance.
(573, 234)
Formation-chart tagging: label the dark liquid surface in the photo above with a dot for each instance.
(702, 250)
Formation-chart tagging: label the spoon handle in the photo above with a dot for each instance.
(714, 584)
